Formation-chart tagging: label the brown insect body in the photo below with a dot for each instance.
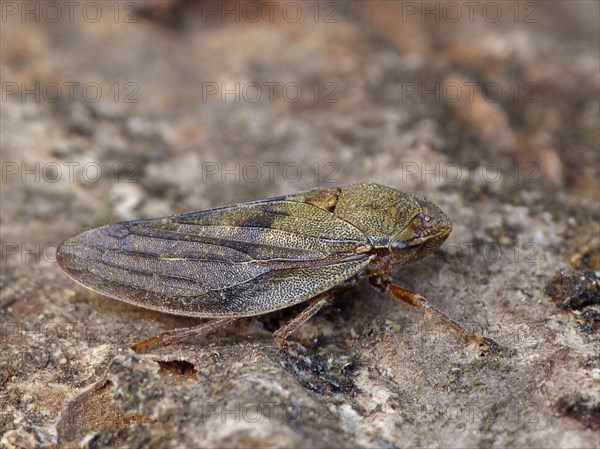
(253, 258)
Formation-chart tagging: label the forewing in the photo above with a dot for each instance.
(240, 260)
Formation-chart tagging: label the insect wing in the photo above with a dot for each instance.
(240, 260)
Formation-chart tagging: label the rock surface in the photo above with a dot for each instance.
(165, 107)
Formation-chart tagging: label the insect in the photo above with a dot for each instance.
(257, 257)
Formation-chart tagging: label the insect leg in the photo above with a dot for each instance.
(414, 299)
(316, 304)
(170, 337)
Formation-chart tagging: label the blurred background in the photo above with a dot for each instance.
(114, 111)
(178, 105)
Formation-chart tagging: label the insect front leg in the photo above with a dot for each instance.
(316, 304)
(171, 337)
(385, 285)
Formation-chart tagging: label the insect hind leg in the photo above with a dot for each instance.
(281, 334)
(316, 304)
(171, 337)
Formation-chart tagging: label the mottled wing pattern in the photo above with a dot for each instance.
(240, 260)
